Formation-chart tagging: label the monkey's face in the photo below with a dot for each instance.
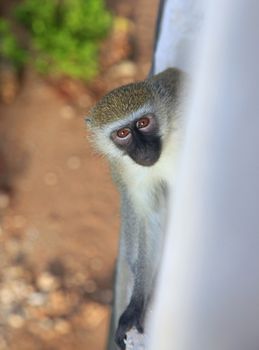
(134, 122)
(139, 139)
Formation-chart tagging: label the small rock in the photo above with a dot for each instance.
(14, 291)
(79, 278)
(15, 321)
(125, 69)
(37, 299)
(58, 303)
(22, 290)
(36, 312)
(93, 314)
(46, 323)
(7, 296)
(43, 329)
(47, 282)
(62, 326)
(67, 112)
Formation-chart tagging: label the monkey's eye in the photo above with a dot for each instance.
(122, 133)
(142, 122)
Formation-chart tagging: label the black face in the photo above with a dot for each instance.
(140, 140)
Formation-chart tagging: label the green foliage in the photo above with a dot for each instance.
(9, 47)
(66, 34)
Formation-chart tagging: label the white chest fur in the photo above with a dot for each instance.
(141, 181)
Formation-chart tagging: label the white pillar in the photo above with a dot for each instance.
(208, 295)
(179, 33)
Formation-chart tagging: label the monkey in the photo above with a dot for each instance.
(138, 128)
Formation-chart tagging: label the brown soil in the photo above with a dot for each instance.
(59, 211)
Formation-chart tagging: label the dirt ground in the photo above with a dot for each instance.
(59, 211)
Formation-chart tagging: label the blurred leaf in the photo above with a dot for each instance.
(66, 34)
(10, 50)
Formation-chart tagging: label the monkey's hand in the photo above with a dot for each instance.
(132, 317)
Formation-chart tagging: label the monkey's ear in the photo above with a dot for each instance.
(88, 120)
(167, 80)
(168, 74)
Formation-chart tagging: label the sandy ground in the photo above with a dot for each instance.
(59, 213)
(65, 207)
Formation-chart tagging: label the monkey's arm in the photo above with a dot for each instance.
(133, 313)
(144, 237)
(127, 255)
(121, 297)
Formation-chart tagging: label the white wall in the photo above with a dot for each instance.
(208, 295)
(181, 23)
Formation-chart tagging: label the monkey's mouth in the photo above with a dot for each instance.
(146, 160)
(146, 153)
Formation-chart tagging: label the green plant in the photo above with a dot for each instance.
(66, 34)
(10, 50)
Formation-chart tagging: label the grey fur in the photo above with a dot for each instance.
(128, 98)
(143, 210)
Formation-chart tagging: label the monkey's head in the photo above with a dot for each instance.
(136, 119)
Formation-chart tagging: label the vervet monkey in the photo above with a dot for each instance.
(137, 126)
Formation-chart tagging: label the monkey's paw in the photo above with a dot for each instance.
(131, 317)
